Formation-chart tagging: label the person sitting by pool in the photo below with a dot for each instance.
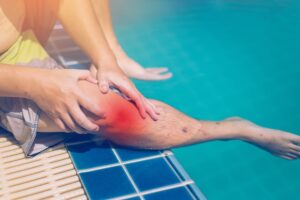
(37, 95)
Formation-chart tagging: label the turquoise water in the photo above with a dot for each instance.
(229, 58)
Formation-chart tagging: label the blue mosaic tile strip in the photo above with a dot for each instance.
(107, 183)
(109, 171)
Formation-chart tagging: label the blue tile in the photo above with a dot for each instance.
(152, 174)
(174, 194)
(74, 138)
(130, 153)
(91, 154)
(106, 183)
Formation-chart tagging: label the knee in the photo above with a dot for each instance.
(121, 120)
(120, 115)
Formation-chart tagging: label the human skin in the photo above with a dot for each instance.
(122, 124)
(40, 16)
(61, 93)
(79, 20)
(130, 67)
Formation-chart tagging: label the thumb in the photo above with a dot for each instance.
(86, 75)
(102, 82)
(103, 86)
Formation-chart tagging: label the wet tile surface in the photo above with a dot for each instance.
(152, 174)
(92, 154)
(107, 183)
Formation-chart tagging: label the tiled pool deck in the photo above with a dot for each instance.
(108, 171)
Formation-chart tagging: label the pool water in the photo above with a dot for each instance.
(229, 58)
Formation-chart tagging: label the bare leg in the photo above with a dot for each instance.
(123, 125)
(128, 65)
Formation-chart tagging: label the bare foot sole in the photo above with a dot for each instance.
(279, 143)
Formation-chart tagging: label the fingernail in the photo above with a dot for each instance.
(154, 118)
(104, 88)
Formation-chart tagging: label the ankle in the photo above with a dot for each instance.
(231, 130)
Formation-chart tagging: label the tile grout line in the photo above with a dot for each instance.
(126, 172)
(118, 164)
(156, 190)
(194, 190)
(174, 171)
(178, 175)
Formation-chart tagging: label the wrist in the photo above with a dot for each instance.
(35, 83)
(108, 61)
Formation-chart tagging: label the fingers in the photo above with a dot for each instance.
(71, 124)
(104, 86)
(102, 83)
(150, 109)
(131, 92)
(143, 105)
(153, 76)
(59, 123)
(74, 120)
(91, 79)
(82, 120)
(153, 107)
(157, 70)
(86, 75)
(122, 83)
(89, 105)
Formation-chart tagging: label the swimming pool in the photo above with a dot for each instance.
(230, 57)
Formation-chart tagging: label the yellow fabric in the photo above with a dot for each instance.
(24, 50)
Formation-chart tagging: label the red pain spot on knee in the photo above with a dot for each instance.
(123, 117)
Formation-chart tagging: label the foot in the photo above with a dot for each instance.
(279, 143)
(134, 70)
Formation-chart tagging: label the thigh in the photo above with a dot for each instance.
(41, 16)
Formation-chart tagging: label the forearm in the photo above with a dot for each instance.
(79, 20)
(18, 81)
(103, 14)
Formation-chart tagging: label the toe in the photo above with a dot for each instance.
(295, 148)
(293, 156)
(296, 140)
(296, 153)
(286, 157)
